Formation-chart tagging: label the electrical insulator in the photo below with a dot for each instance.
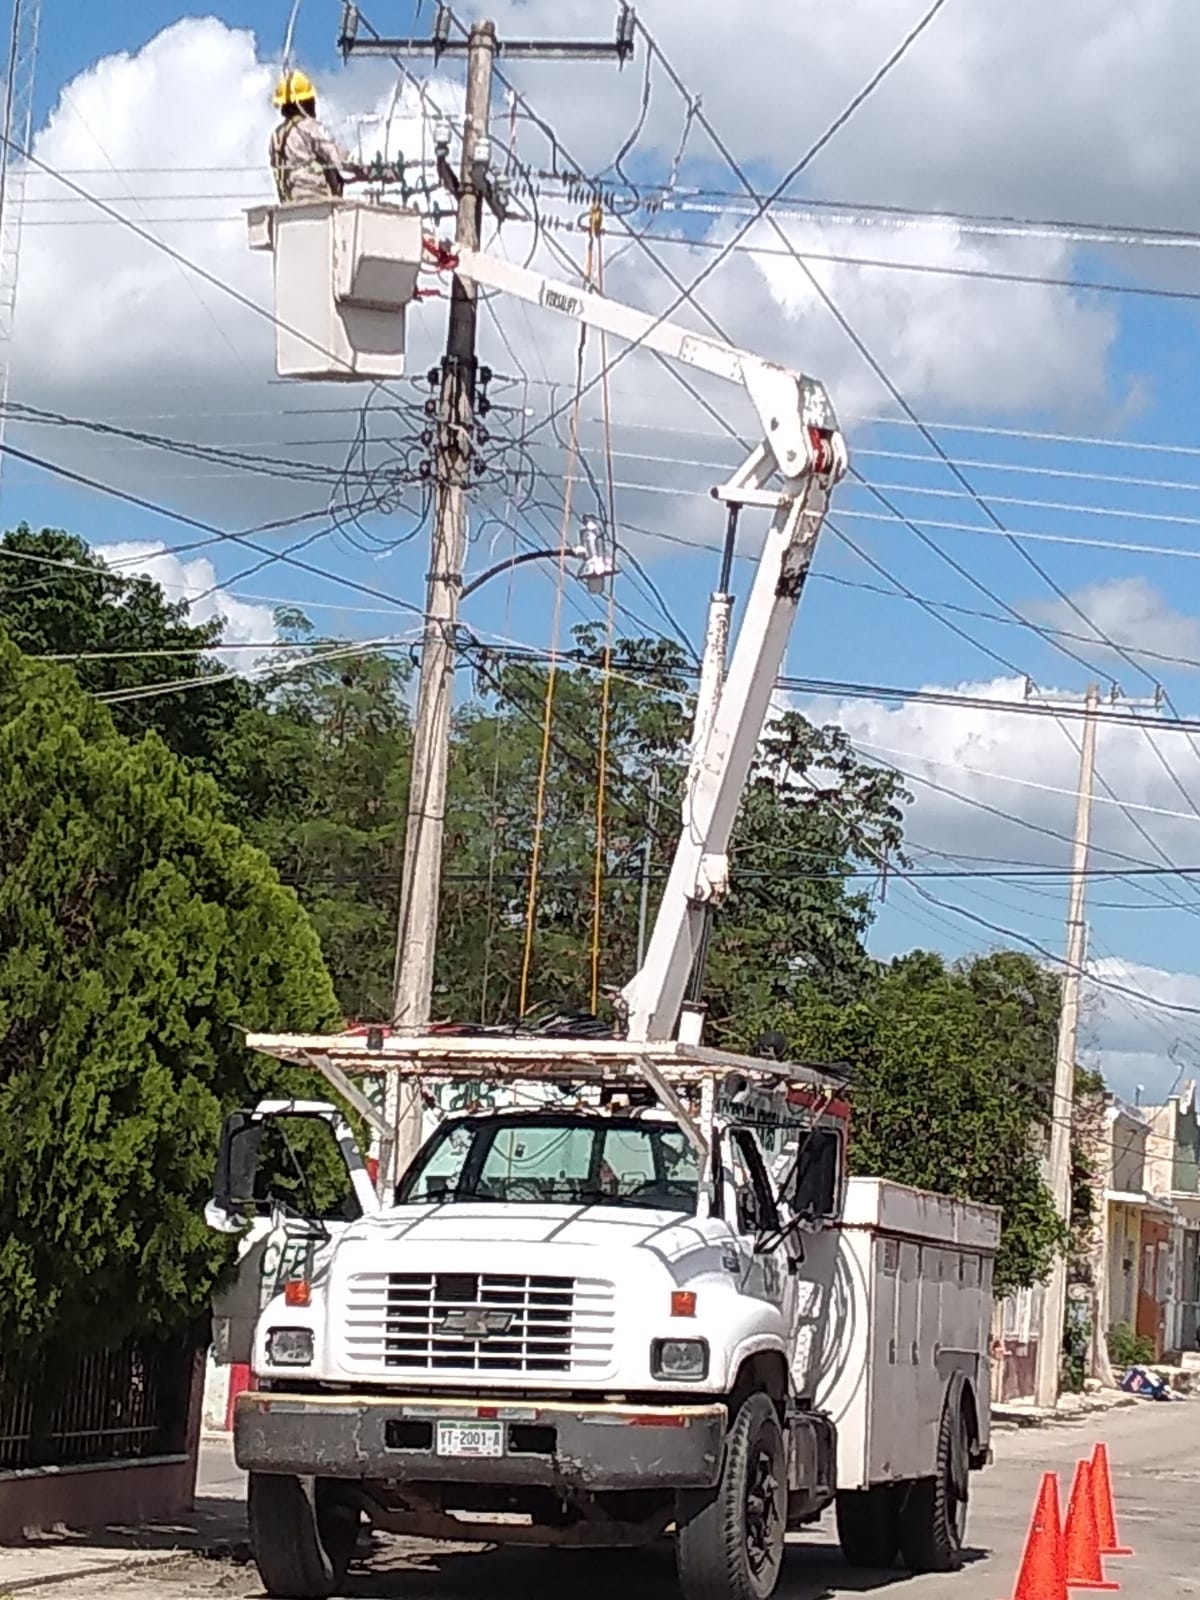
(485, 376)
(433, 377)
(425, 469)
(481, 434)
(426, 437)
(431, 408)
(484, 405)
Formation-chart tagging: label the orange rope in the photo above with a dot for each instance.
(552, 670)
(606, 679)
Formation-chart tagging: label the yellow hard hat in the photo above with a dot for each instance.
(292, 88)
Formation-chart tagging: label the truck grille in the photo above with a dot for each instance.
(479, 1322)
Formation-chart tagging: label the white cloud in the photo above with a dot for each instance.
(195, 581)
(1082, 109)
(1130, 612)
(109, 326)
(997, 788)
(1140, 1046)
(1025, 767)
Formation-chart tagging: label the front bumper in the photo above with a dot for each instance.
(560, 1444)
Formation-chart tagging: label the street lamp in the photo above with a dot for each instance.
(595, 552)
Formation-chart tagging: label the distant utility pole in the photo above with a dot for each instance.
(420, 884)
(1054, 1299)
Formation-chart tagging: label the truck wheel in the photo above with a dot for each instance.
(933, 1515)
(729, 1543)
(302, 1535)
(868, 1525)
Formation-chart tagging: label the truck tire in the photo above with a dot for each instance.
(729, 1542)
(933, 1514)
(301, 1535)
(868, 1525)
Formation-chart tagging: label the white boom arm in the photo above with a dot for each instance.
(801, 444)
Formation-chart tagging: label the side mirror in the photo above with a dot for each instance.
(815, 1191)
(237, 1165)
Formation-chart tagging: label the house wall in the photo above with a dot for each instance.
(1186, 1174)
(1129, 1153)
(1124, 1243)
(1187, 1335)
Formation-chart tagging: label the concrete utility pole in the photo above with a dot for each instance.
(420, 885)
(421, 880)
(1054, 1300)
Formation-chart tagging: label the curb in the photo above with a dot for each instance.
(1021, 1417)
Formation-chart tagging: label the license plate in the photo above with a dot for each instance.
(470, 1439)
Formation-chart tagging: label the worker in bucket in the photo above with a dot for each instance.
(306, 160)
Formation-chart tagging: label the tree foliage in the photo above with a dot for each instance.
(123, 637)
(953, 1070)
(316, 771)
(139, 936)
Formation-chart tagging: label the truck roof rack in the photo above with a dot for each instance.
(675, 1071)
(454, 1054)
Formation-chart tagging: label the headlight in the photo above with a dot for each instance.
(290, 1347)
(679, 1360)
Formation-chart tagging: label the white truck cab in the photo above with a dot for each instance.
(594, 1317)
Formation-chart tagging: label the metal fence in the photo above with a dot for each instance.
(115, 1405)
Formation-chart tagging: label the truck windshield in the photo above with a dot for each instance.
(555, 1160)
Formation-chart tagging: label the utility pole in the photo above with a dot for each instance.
(1054, 1299)
(420, 885)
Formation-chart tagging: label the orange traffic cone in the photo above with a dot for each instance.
(1043, 1574)
(1084, 1569)
(1102, 1499)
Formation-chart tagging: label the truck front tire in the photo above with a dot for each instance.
(933, 1515)
(302, 1535)
(729, 1542)
(868, 1525)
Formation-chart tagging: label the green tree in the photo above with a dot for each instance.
(812, 816)
(317, 774)
(495, 773)
(125, 639)
(952, 1076)
(140, 934)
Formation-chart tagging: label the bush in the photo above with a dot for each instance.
(1128, 1349)
(140, 936)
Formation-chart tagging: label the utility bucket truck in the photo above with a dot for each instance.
(634, 1296)
(625, 1289)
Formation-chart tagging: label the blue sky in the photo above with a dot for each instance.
(106, 329)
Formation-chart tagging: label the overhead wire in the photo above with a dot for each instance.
(930, 437)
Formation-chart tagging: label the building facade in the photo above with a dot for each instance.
(1173, 1176)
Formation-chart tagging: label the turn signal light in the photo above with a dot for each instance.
(299, 1293)
(683, 1303)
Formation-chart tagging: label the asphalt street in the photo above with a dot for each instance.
(1156, 1472)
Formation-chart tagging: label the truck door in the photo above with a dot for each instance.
(753, 1214)
(289, 1178)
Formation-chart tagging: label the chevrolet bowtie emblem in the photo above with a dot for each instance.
(475, 1322)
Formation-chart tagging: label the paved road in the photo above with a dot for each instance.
(1156, 1475)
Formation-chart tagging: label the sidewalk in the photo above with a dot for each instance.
(217, 1527)
(1070, 1407)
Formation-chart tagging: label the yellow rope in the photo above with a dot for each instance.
(606, 679)
(552, 669)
